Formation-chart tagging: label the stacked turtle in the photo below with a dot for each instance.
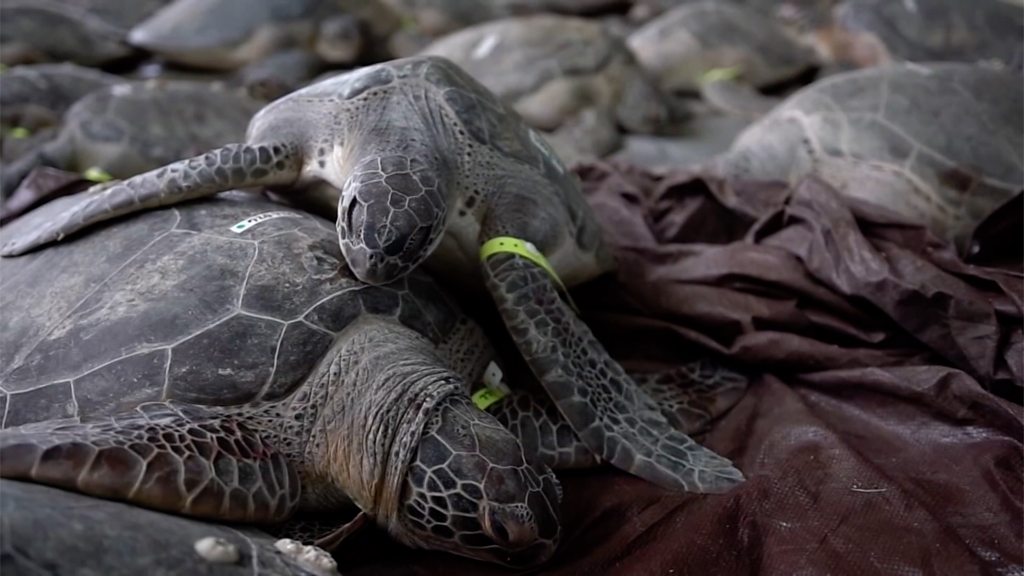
(566, 75)
(465, 172)
(453, 160)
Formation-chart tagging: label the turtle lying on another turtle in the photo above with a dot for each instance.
(425, 162)
(938, 144)
(89, 32)
(555, 71)
(129, 128)
(874, 32)
(218, 359)
(682, 46)
(228, 34)
(36, 96)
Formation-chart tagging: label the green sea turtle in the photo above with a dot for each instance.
(682, 45)
(434, 18)
(937, 144)
(129, 128)
(89, 32)
(280, 73)
(228, 34)
(36, 96)
(551, 68)
(873, 32)
(426, 162)
(725, 52)
(235, 321)
(219, 360)
(89, 536)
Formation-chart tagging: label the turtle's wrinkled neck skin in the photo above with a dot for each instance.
(380, 424)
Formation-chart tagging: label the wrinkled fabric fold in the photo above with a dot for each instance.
(882, 432)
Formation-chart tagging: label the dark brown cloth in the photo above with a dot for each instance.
(882, 432)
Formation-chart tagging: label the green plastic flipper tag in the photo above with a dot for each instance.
(720, 74)
(97, 174)
(525, 249)
(494, 389)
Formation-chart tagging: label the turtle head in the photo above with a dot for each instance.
(391, 216)
(470, 491)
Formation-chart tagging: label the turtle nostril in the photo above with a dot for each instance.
(507, 530)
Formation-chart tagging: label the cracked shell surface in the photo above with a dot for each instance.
(182, 305)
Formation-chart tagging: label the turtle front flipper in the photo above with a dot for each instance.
(170, 457)
(689, 397)
(232, 166)
(609, 412)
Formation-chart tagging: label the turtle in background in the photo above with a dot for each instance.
(229, 34)
(128, 128)
(219, 354)
(876, 32)
(87, 32)
(563, 74)
(37, 96)
(937, 144)
(435, 18)
(723, 51)
(424, 162)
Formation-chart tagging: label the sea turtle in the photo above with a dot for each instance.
(682, 45)
(246, 311)
(434, 18)
(129, 128)
(89, 536)
(36, 96)
(426, 162)
(210, 358)
(873, 32)
(89, 32)
(552, 68)
(937, 144)
(279, 73)
(228, 34)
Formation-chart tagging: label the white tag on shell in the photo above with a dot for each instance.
(493, 378)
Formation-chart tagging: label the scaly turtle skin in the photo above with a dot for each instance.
(129, 128)
(37, 96)
(219, 360)
(551, 69)
(429, 163)
(89, 32)
(228, 34)
(939, 144)
(682, 44)
(873, 32)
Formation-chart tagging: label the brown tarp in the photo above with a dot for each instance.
(882, 432)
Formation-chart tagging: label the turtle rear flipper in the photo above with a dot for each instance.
(165, 456)
(219, 170)
(612, 415)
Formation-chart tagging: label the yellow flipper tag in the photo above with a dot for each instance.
(508, 244)
(97, 174)
(19, 132)
(719, 74)
(494, 389)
